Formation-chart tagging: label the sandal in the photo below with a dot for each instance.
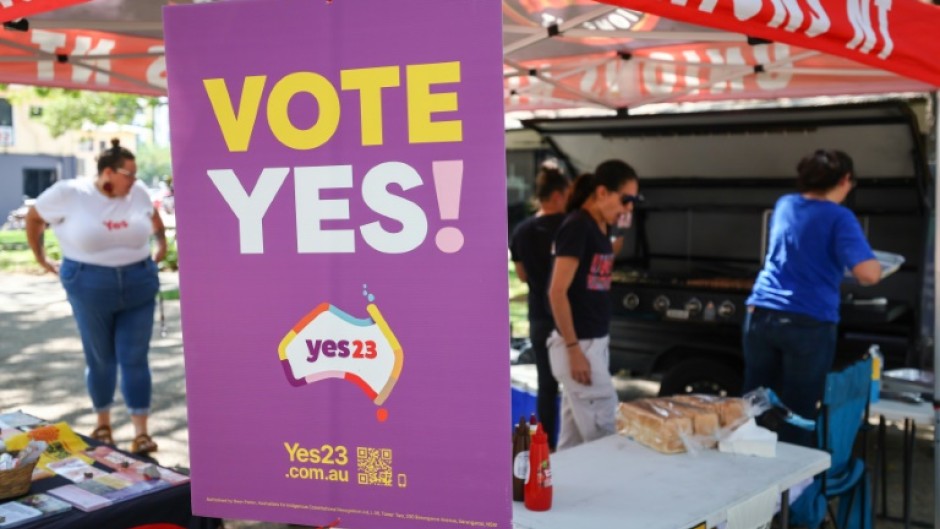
(103, 434)
(143, 444)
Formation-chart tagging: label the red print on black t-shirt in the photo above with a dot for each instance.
(115, 224)
(599, 275)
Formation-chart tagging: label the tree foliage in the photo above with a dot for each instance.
(64, 110)
(153, 163)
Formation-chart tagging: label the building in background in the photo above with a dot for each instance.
(32, 160)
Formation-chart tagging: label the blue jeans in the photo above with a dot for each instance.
(791, 354)
(113, 307)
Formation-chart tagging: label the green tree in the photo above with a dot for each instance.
(64, 110)
(153, 163)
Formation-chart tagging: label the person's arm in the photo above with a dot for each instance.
(617, 243)
(562, 276)
(159, 233)
(520, 271)
(35, 232)
(852, 247)
(867, 272)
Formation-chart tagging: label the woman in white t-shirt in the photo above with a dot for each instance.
(104, 226)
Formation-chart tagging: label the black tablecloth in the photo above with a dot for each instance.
(167, 506)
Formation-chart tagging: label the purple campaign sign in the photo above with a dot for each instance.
(340, 182)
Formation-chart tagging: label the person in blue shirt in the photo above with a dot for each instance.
(531, 249)
(789, 333)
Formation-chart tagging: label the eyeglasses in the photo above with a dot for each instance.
(126, 173)
(630, 199)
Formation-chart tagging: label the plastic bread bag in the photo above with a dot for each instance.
(762, 400)
(654, 423)
(732, 412)
(670, 425)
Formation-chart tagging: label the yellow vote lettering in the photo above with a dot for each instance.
(279, 119)
(423, 100)
(370, 82)
(422, 103)
(236, 128)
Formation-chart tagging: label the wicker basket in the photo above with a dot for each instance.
(16, 482)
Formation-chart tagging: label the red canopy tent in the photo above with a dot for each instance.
(623, 54)
(15, 9)
(620, 54)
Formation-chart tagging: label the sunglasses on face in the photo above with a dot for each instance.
(630, 199)
(126, 173)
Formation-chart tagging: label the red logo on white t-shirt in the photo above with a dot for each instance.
(115, 224)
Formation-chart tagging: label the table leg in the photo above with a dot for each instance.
(785, 509)
(883, 461)
(910, 430)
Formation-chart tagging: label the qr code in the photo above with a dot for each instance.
(375, 466)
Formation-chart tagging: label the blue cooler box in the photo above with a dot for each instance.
(524, 383)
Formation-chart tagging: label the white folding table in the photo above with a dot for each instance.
(617, 483)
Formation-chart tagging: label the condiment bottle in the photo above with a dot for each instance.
(877, 361)
(538, 490)
(520, 459)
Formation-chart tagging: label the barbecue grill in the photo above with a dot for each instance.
(710, 181)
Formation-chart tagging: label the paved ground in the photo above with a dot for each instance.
(42, 368)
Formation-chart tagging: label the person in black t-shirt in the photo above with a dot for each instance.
(579, 297)
(531, 248)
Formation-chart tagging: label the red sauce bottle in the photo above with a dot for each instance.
(538, 490)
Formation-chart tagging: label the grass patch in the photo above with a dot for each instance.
(518, 306)
(15, 255)
(170, 294)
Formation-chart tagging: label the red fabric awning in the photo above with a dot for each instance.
(623, 54)
(14, 9)
(894, 35)
(563, 53)
(89, 60)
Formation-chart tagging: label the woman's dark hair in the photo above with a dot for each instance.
(612, 174)
(114, 157)
(822, 170)
(548, 181)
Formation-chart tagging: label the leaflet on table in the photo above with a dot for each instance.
(17, 419)
(80, 498)
(45, 503)
(29, 509)
(74, 469)
(13, 513)
(105, 490)
(131, 468)
(62, 443)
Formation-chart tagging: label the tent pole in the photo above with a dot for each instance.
(936, 312)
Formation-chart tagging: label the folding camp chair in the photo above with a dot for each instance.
(845, 409)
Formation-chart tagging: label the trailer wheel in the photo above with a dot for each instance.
(701, 376)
